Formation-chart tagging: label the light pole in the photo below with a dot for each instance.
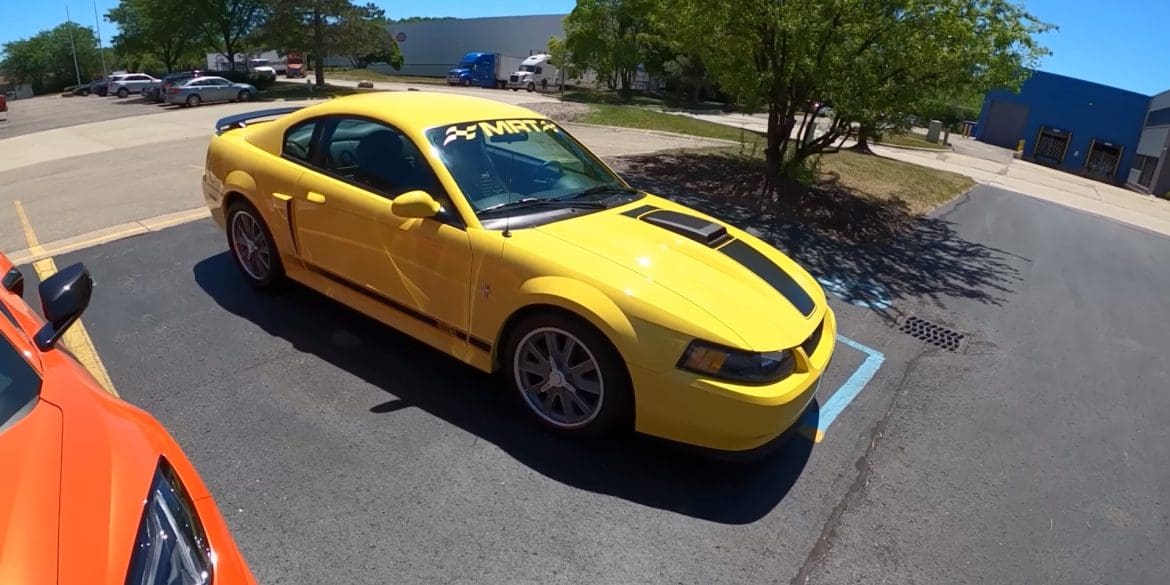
(97, 21)
(72, 44)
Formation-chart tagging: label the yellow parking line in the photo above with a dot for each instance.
(76, 339)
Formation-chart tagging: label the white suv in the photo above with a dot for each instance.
(130, 83)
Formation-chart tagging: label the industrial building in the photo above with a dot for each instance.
(429, 48)
(1151, 169)
(1075, 125)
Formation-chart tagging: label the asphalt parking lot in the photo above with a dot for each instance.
(50, 112)
(341, 451)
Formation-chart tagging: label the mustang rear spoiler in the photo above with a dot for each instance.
(240, 120)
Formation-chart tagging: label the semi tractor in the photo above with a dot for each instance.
(483, 70)
(534, 73)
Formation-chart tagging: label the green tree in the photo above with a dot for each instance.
(45, 61)
(327, 28)
(611, 38)
(157, 30)
(228, 25)
(873, 60)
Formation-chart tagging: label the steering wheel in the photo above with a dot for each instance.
(549, 171)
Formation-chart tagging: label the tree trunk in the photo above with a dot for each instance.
(772, 155)
(319, 46)
(863, 134)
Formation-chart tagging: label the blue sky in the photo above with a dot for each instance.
(1124, 43)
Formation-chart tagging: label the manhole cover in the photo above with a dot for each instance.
(933, 333)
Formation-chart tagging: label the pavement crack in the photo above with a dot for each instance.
(864, 465)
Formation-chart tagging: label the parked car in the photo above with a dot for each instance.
(488, 232)
(101, 87)
(157, 92)
(209, 89)
(131, 83)
(84, 89)
(4, 107)
(94, 490)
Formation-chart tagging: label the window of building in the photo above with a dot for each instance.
(1158, 118)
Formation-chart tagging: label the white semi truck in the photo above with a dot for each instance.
(534, 73)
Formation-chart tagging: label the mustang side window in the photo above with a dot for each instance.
(379, 158)
(297, 141)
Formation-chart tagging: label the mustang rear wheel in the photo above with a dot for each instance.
(252, 247)
(567, 375)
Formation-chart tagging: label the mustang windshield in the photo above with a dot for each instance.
(502, 162)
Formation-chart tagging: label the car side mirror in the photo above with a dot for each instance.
(64, 296)
(415, 204)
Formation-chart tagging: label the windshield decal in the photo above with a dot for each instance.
(498, 128)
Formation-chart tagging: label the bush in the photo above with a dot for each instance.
(262, 82)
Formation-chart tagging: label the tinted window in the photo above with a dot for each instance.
(538, 70)
(19, 383)
(376, 156)
(298, 140)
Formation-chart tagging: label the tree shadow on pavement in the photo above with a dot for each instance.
(635, 468)
(869, 252)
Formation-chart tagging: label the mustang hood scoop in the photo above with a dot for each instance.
(695, 228)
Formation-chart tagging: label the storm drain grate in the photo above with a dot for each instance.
(933, 333)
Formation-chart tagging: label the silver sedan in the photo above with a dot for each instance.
(209, 89)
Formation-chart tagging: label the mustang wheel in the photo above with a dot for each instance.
(252, 247)
(567, 374)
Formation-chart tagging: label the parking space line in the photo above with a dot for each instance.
(76, 339)
(852, 387)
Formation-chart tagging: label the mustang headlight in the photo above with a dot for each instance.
(171, 548)
(740, 366)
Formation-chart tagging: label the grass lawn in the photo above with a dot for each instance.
(370, 74)
(667, 102)
(628, 117)
(882, 179)
(302, 91)
(911, 139)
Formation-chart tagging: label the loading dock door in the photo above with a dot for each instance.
(1051, 145)
(1103, 159)
(1005, 123)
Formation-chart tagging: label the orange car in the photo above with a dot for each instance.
(92, 489)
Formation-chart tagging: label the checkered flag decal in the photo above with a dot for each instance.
(454, 132)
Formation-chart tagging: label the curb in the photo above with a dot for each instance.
(654, 132)
(923, 149)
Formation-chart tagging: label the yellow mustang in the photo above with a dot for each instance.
(486, 231)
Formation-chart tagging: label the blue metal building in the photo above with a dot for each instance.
(1075, 125)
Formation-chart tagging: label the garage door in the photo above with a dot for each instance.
(1005, 123)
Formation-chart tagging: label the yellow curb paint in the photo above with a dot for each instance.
(76, 339)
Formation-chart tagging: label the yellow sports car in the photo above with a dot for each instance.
(486, 231)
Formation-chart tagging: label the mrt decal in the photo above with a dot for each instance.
(498, 128)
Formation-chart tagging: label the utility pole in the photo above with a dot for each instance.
(72, 44)
(97, 21)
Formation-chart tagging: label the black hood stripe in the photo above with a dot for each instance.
(746, 255)
(771, 274)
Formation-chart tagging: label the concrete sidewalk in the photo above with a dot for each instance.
(1051, 185)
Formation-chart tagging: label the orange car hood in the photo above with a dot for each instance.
(30, 483)
(76, 471)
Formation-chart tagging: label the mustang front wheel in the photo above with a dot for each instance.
(567, 374)
(252, 247)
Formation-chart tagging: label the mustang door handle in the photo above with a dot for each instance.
(316, 197)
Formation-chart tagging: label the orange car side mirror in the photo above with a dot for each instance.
(64, 296)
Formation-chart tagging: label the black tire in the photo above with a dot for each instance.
(84, 92)
(274, 278)
(244, 96)
(515, 89)
(193, 100)
(466, 83)
(123, 93)
(614, 404)
(531, 87)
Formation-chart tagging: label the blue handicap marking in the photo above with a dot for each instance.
(853, 386)
(861, 294)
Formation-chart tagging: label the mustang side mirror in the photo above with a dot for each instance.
(415, 204)
(64, 296)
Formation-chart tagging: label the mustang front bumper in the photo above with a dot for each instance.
(727, 416)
